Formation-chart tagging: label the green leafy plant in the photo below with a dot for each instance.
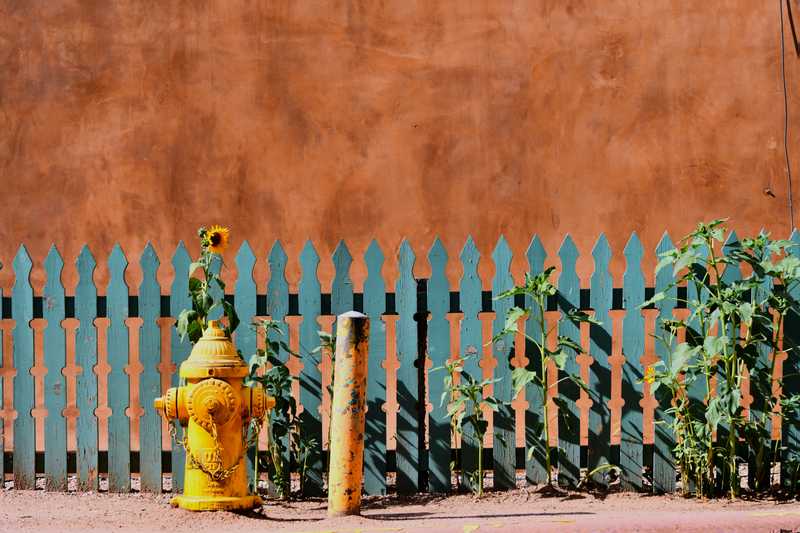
(733, 330)
(792, 484)
(465, 400)
(694, 447)
(287, 446)
(207, 292)
(589, 475)
(538, 288)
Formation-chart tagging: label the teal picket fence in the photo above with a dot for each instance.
(425, 311)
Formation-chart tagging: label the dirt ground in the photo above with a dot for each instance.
(516, 511)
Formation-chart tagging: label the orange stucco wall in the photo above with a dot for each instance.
(138, 120)
(135, 120)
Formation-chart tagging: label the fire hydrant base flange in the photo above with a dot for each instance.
(217, 503)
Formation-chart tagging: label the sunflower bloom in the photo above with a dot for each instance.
(217, 239)
(650, 375)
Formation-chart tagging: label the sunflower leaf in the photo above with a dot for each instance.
(233, 317)
(186, 317)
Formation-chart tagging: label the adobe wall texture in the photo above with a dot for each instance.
(139, 120)
(134, 120)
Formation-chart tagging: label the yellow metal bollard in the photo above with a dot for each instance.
(348, 414)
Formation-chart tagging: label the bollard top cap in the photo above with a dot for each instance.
(214, 356)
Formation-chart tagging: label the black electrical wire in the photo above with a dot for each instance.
(786, 121)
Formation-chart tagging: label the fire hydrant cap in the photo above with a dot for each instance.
(214, 355)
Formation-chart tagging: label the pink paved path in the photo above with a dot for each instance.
(514, 512)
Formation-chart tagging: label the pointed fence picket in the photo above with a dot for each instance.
(758, 477)
(423, 455)
(150, 378)
(408, 419)
(24, 427)
(179, 350)
(569, 458)
(601, 301)
(535, 446)
(246, 309)
(310, 376)
(631, 446)
(698, 390)
(470, 349)
(730, 274)
(277, 309)
(439, 353)
(375, 427)
(504, 437)
(86, 434)
(119, 430)
(55, 390)
(663, 437)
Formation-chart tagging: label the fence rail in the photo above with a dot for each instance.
(423, 328)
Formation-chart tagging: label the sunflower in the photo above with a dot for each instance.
(217, 238)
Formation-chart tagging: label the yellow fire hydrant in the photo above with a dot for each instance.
(217, 409)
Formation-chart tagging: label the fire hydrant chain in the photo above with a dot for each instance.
(173, 432)
(217, 474)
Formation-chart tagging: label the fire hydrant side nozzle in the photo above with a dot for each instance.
(214, 406)
(172, 405)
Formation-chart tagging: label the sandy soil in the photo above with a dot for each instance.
(515, 511)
